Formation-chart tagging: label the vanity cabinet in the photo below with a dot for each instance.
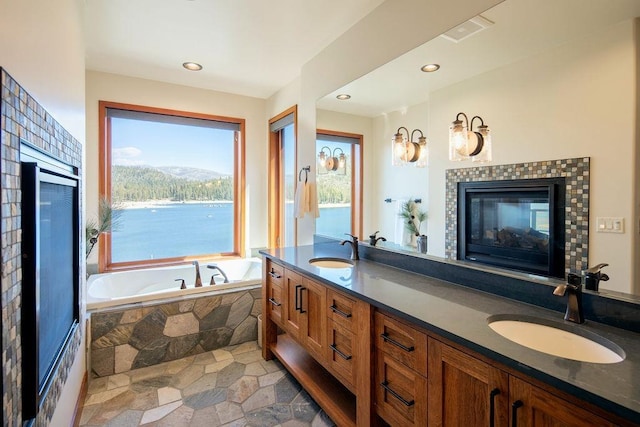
(365, 366)
(464, 390)
(400, 384)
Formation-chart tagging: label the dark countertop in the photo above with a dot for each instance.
(460, 314)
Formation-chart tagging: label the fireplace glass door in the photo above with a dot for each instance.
(514, 224)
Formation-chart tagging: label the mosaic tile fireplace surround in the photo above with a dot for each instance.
(576, 174)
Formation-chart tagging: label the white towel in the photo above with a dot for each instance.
(401, 235)
(299, 201)
(312, 200)
(306, 200)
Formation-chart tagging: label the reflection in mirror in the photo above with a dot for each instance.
(556, 80)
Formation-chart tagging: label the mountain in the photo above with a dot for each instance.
(190, 174)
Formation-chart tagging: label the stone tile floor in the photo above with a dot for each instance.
(232, 386)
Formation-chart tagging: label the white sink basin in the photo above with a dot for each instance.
(555, 339)
(328, 262)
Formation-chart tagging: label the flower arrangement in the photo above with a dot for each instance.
(413, 216)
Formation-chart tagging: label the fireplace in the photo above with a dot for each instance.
(514, 224)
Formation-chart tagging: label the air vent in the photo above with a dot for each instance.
(467, 29)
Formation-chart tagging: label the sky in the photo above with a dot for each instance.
(137, 143)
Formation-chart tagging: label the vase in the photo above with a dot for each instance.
(422, 244)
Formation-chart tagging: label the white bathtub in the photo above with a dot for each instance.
(127, 287)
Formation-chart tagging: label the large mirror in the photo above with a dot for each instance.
(553, 80)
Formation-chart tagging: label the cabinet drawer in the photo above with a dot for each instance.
(275, 273)
(275, 302)
(341, 357)
(403, 342)
(341, 309)
(400, 392)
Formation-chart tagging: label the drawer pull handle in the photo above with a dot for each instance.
(405, 402)
(298, 291)
(492, 406)
(273, 274)
(340, 312)
(514, 412)
(274, 302)
(386, 337)
(339, 353)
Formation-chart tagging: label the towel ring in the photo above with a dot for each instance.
(306, 171)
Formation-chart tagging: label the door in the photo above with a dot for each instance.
(313, 301)
(464, 391)
(292, 308)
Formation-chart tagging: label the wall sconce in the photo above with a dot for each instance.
(465, 143)
(404, 150)
(331, 161)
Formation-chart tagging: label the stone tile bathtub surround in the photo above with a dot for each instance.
(134, 338)
(231, 386)
(576, 172)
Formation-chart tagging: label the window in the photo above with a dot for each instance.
(282, 179)
(176, 181)
(339, 181)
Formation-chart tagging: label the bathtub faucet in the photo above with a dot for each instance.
(198, 283)
(215, 267)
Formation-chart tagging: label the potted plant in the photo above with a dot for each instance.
(414, 218)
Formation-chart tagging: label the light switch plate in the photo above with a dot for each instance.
(608, 224)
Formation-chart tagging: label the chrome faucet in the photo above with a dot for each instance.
(215, 267)
(198, 283)
(574, 302)
(593, 276)
(354, 246)
(373, 239)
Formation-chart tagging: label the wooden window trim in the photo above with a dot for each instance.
(276, 184)
(356, 186)
(104, 185)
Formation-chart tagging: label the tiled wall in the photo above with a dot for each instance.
(576, 172)
(125, 339)
(22, 117)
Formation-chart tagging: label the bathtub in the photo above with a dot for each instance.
(159, 284)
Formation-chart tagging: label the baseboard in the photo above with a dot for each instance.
(77, 413)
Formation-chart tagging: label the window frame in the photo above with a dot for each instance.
(104, 186)
(276, 179)
(357, 149)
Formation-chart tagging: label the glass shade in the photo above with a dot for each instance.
(485, 155)
(423, 155)
(458, 141)
(398, 150)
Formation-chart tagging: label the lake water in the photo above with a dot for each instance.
(175, 230)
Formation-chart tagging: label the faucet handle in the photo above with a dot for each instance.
(355, 238)
(596, 268)
(373, 236)
(574, 279)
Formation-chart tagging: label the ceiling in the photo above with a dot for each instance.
(521, 28)
(247, 47)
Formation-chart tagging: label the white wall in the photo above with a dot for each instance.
(42, 48)
(130, 90)
(577, 100)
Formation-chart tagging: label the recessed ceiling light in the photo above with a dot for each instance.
(343, 97)
(430, 68)
(192, 66)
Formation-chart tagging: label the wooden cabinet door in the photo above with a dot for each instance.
(400, 392)
(341, 353)
(313, 331)
(292, 308)
(464, 391)
(534, 407)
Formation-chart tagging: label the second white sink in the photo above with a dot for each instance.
(556, 340)
(329, 262)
